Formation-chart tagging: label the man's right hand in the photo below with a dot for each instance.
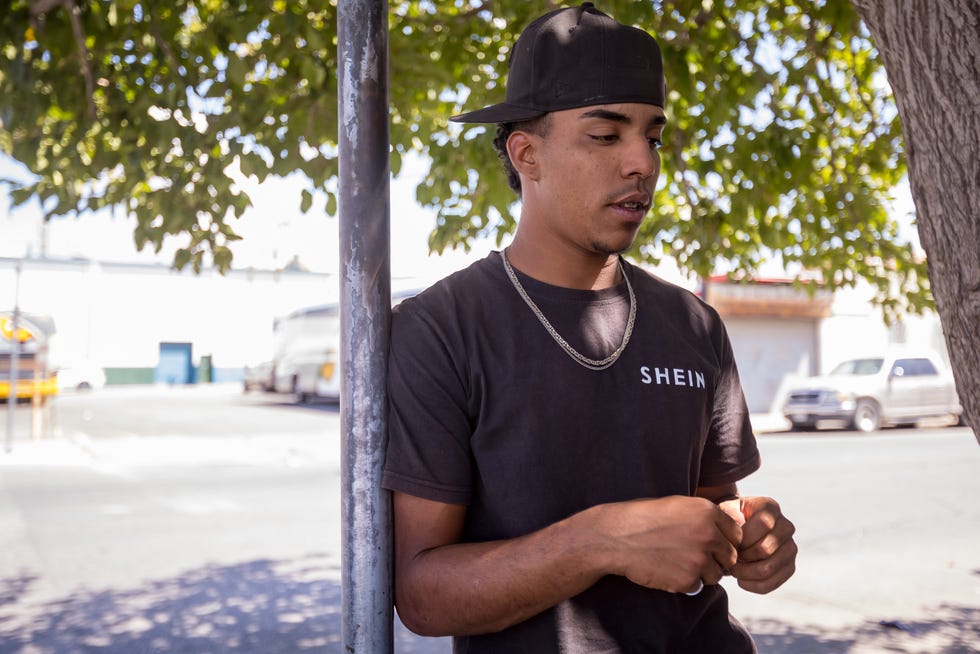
(672, 543)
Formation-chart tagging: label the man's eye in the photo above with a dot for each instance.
(656, 144)
(603, 138)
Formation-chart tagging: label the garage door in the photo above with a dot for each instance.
(174, 366)
(769, 350)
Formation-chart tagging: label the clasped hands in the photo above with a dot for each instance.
(679, 543)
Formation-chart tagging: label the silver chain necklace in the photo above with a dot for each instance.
(592, 364)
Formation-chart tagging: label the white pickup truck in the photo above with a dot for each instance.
(875, 391)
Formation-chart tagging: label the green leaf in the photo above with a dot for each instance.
(395, 162)
(181, 258)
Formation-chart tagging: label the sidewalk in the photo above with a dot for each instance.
(768, 423)
(138, 451)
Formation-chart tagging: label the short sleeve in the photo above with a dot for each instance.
(730, 452)
(429, 430)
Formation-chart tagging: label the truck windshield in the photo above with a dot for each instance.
(858, 367)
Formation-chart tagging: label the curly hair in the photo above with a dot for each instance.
(538, 126)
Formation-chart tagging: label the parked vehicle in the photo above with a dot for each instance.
(81, 376)
(306, 351)
(258, 377)
(25, 340)
(876, 391)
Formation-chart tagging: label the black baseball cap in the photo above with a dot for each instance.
(576, 57)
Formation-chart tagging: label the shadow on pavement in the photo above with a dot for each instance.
(259, 607)
(949, 630)
(13, 588)
(273, 607)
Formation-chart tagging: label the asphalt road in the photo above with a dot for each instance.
(204, 520)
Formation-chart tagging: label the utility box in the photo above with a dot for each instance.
(205, 371)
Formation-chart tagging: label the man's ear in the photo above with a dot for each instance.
(522, 149)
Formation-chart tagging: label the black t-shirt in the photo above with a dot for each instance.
(487, 410)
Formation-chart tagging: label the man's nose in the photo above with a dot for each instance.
(642, 159)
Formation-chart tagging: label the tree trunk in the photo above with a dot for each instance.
(931, 52)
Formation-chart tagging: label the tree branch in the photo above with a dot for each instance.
(38, 10)
(76, 27)
(164, 46)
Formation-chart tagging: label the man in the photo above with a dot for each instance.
(566, 430)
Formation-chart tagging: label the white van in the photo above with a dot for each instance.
(306, 351)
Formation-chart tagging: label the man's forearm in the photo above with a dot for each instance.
(473, 588)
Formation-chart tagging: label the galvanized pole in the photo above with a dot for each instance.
(365, 310)
(14, 360)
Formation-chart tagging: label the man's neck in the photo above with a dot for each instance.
(568, 267)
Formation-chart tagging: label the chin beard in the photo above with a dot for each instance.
(610, 249)
(614, 245)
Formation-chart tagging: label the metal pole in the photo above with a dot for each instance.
(365, 295)
(14, 362)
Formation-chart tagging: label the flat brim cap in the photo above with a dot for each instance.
(576, 57)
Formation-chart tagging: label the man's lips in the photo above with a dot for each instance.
(633, 203)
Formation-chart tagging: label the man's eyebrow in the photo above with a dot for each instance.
(616, 117)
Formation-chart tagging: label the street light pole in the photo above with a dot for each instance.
(365, 312)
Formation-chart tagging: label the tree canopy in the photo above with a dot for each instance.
(783, 140)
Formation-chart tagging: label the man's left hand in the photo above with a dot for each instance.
(767, 555)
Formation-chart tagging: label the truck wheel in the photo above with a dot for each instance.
(867, 417)
(298, 395)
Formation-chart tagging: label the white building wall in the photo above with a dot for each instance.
(856, 328)
(118, 314)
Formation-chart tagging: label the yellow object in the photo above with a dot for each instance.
(7, 329)
(26, 388)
